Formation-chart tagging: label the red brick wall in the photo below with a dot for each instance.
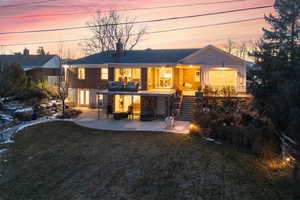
(92, 79)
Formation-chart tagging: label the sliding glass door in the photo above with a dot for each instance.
(84, 97)
(124, 102)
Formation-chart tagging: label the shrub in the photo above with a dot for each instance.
(233, 122)
(23, 116)
(70, 113)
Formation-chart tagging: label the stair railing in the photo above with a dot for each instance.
(178, 107)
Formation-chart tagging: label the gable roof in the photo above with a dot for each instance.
(211, 55)
(149, 56)
(26, 61)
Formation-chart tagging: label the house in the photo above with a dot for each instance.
(39, 67)
(111, 77)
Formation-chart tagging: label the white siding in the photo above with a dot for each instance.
(52, 63)
(53, 80)
(72, 96)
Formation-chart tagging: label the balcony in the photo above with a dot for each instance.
(121, 86)
(132, 88)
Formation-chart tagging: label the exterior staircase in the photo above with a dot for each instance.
(187, 108)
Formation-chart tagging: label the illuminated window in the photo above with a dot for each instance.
(100, 99)
(81, 73)
(104, 73)
(223, 78)
(123, 102)
(197, 76)
(165, 77)
(128, 74)
(84, 97)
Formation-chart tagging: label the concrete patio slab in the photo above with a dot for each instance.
(89, 118)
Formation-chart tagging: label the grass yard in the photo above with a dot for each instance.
(60, 160)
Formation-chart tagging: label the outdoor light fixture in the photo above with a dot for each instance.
(167, 75)
(193, 128)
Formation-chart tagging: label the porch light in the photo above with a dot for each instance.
(194, 128)
(167, 75)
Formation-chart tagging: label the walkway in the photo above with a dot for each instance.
(89, 118)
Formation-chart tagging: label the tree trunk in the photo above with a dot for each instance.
(63, 108)
(296, 172)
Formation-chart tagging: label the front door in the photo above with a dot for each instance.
(84, 97)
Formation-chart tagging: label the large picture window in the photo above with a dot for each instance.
(124, 102)
(165, 77)
(222, 78)
(128, 74)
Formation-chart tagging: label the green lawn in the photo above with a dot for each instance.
(61, 160)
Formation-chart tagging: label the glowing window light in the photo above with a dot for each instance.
(167, 75)
(222, 78)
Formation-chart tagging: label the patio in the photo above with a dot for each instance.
(89, 118)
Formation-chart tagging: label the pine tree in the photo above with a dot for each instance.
(277, 75)
(41, 51)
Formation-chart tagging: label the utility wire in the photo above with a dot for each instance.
(148, 33)
(128, 9)
(23, 4)
(138, 22)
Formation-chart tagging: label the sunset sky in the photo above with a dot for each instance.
(20, 15)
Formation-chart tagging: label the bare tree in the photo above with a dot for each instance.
(60, 50)
(108, 29)
(230, 46)
(62, 94)
(242, 49)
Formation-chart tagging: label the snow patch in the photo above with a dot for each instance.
(3, 150)
(24, 110)
(8, 141)
(6, 117)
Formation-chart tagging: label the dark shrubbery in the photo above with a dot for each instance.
(233, 122)
(70, 113)
(23, 116)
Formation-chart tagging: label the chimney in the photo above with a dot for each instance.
(119, 48)
(26, 52)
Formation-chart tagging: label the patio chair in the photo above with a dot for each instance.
(115, 85)
(120, 115)
(147, 116)
(132, 86)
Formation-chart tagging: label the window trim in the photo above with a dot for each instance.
(197, 76)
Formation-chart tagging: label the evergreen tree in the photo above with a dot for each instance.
(41, 51)
(277, 74)
(13, 80)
